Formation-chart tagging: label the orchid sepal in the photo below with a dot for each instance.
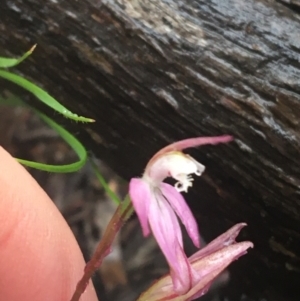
(208, 265)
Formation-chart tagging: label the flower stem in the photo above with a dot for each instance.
(122, 213)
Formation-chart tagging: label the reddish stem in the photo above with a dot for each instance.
(103, 249)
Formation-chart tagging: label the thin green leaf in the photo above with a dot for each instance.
(11, 62)
(127, 207)
(42, 96)
(104, 184)
(71, 140)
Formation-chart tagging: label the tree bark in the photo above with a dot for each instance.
(153, 72)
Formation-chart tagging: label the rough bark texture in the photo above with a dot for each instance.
(152, 72)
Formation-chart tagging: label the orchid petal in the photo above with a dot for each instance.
(226, 239)
(209, 267)
(178, 203)
(167, 232)
(141, 197)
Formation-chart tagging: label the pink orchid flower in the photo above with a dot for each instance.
(208, 263)
(157, 204)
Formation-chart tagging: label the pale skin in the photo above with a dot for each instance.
(39, 256)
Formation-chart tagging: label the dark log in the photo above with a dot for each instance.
(153, 72)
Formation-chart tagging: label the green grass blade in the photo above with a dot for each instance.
(127, 206)
(104, 184)
(71, 140)
(11, 62)
(42, 96)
